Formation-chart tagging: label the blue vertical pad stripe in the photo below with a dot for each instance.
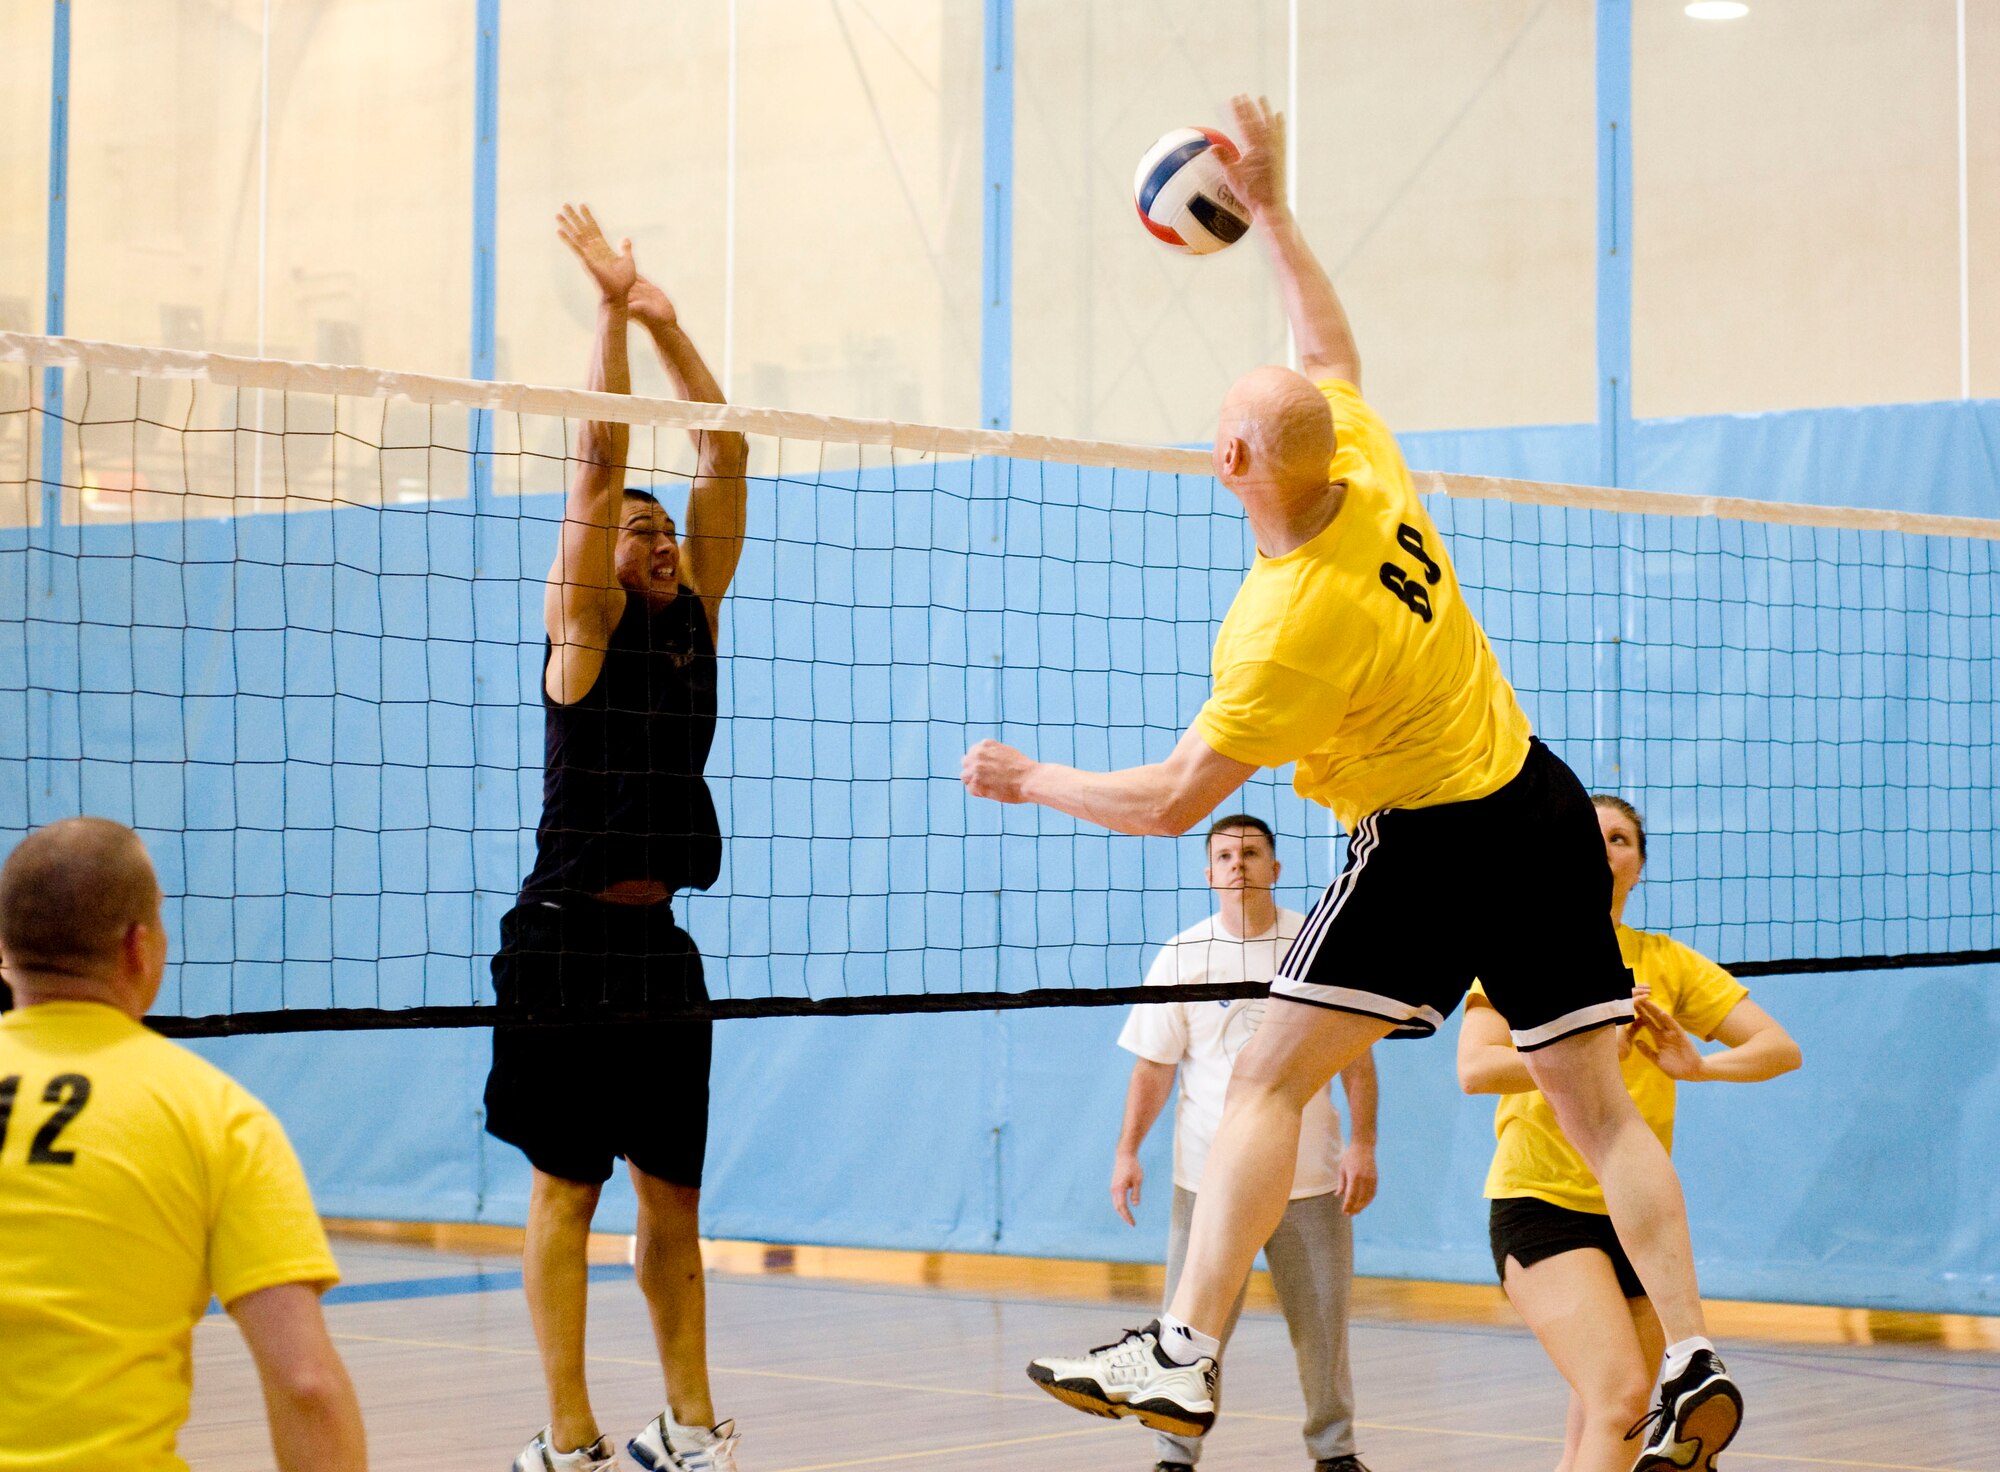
(1614, 240)
(485, 190)
(55, 312)
(996, 313)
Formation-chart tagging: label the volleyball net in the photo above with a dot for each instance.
(286, 621)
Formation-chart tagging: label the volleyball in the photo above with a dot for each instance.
(1182, 196)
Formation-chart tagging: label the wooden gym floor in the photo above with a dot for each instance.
(838, 1359)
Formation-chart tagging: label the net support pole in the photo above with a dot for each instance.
(1614, 360)
(54, 311)
(485, 188)
(996, 275)
(1614, 240)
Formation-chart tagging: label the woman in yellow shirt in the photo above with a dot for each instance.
(1553, 1245)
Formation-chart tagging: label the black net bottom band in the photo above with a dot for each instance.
(376, 1019)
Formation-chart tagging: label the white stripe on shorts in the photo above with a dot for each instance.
(1347, 999)
(1298, 960)
(1582, 1019)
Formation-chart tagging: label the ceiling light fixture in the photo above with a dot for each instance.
(1718, 9)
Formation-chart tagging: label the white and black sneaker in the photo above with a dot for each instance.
(1133, 1377)
(654, 1450)
(540, 1455)
(1696, 1417)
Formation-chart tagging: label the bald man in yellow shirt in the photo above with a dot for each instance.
(1349, 650)
(135, 1181)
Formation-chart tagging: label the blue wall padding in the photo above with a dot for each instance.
(1863, 1179)
(325, 724)
(1941, 458)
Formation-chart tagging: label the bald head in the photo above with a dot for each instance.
(70, 895)
(1277, 430)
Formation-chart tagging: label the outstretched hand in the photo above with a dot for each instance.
(649, 305)
(614, 271)
(995, 771)
(1257, 174)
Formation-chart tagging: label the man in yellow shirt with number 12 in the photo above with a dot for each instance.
(135, 1181)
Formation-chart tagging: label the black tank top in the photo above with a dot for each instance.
(623, 796)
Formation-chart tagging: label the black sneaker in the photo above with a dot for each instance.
(1340, 1464)
(1697, 1416)
(1131, 1377)
(1173, 1467)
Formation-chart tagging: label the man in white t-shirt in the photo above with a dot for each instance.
(1311, 1255)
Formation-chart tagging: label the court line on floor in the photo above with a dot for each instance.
(453, 1285)
(952, 1390)
(499, 1281)
(946, 1451)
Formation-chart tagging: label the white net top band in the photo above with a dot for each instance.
(275, 375)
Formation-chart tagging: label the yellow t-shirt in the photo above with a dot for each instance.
(1534, 1158)
(1356, 657)
(135, 1180)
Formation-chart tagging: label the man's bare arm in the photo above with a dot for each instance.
(1257, 176)
(1358, 1172)
(1164, 799)
(580, 606)
(712, 539)
(1151, 1086)
(315, 1418)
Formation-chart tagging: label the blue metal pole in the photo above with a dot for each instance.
(1614, 352)
(996, 316)
(485, 188)
(1614, 240)
(54, 314)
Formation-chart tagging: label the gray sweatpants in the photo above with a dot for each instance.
(1311, 1256)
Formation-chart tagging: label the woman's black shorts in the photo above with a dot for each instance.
(1530, 1230)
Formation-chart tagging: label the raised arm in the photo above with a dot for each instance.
(1257, 175)
(583, 600)
(1163, 798)
(315, 1418)
(712, 539)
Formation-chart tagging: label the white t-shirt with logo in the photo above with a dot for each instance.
(1203, 1039)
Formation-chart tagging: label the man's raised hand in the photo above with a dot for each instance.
(1257, 174)
(614, 271)
(650, 306)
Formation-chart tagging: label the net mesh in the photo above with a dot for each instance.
(287, 622)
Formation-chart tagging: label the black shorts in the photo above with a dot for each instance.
(574, 1095)
(1511, 888)
(1530, 1230)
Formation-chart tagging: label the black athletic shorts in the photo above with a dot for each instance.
(1530, 1230)
(573, 1096)
(1511, 888)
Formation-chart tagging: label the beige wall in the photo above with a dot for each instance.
(1117, 336)
(1797, 213)
(1447, 177)
(1797, 209)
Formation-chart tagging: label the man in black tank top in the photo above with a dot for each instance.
(629, 702)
